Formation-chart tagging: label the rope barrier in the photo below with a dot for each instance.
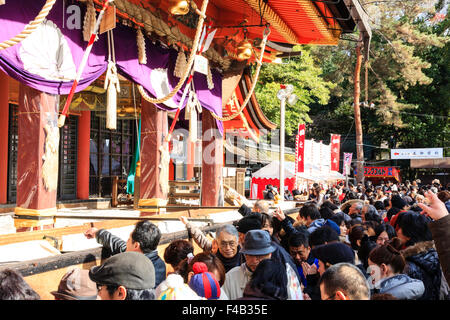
(30, 27)
(255, 78)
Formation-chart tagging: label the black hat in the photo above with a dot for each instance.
(249, 222)
(398, 202)
(133, 270)
(333, 253)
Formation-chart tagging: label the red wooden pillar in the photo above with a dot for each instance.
(212, 162)
(4, 118)
(83, 159)
(37, 165)
(153, 131)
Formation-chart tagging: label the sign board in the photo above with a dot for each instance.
(381, 172)
(422, 153)
(109, 20)
(201, 64)
(335, 151)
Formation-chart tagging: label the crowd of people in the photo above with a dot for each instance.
(363, 242)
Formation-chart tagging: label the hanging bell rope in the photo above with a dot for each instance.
(254, 80)
(62, 117)
(193, 107)
(189, 64)
(112, 85)
(30, 27)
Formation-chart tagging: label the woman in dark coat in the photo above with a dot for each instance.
(440, 229)
(419, 252)
(268, 282)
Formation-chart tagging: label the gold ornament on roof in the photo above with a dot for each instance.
(244, 50)
(178, 7)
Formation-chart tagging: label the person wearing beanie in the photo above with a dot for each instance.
(125, 276)
(252, 221)
(174, 288)
(204, 283)
(398, 202)
(332, 253)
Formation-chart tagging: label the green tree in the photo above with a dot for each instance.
(407, 77)
(309, 85)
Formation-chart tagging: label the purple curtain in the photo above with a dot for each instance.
(43, 60)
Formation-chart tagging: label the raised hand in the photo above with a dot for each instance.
(436, 210)
(90, 234)
(279, 214)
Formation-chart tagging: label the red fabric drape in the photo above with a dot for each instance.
(263, 182)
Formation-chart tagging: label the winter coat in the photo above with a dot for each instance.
(235, 281)
(115, 245)
(440, 229)
(422, 263)
(281, 255)
(237, 278)
(256, 294)
(402, 287)
(286, 224)
(199, 237)
(245, 210)
(318, 223)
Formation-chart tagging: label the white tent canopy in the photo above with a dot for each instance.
(272, 170)
(312, 172)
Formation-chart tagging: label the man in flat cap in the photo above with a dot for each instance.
(125, 276)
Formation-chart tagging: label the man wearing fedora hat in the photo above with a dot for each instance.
(257, 247)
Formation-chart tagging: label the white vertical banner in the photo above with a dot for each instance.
(254, 191)
(347, 163)
(311, 159)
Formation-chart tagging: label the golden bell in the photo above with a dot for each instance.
(178, 7)
(244, 50)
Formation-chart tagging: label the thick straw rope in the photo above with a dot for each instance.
(254, 80)
(29, 28)
(189, 64)
(154, 23)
